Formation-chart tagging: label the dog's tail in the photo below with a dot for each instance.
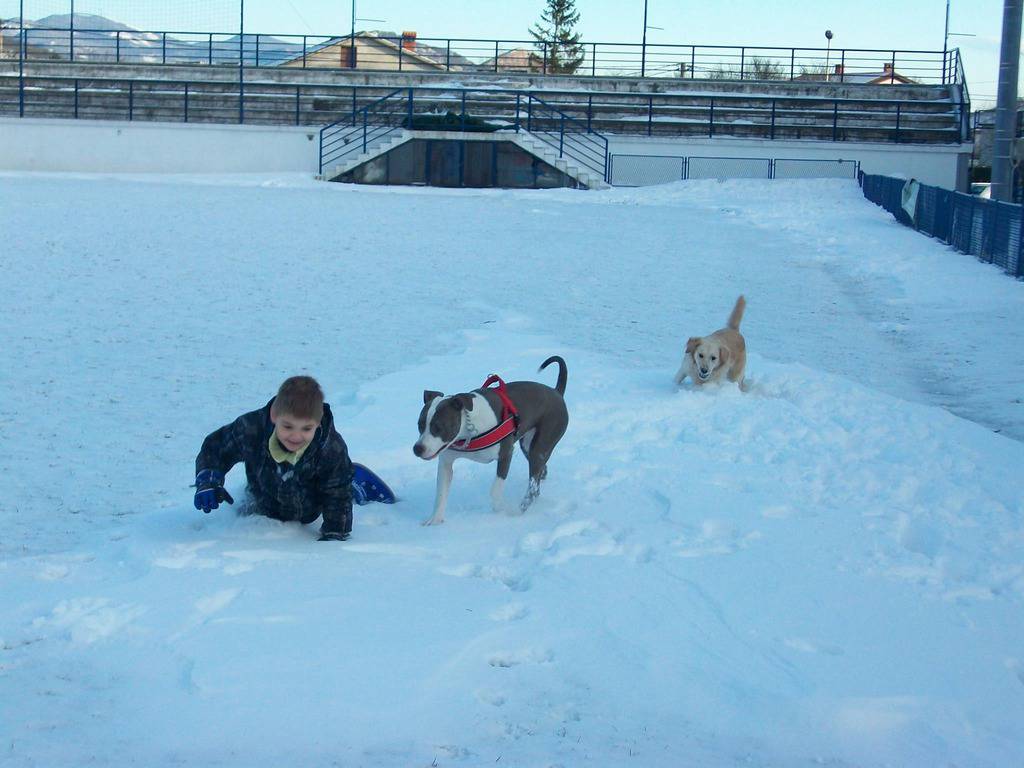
(563, 372)
(737, 313)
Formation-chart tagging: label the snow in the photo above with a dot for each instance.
(825, 570)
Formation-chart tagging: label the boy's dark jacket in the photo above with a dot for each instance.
(321, 482)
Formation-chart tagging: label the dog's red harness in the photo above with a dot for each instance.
(508, 424)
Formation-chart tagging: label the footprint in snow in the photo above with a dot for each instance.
(493, 698)
(578, 538)
(1016, 669)
(807, 646)
(206, 608)
(90, 619)
(218, 601)
(509, 659)
(544, 541)
(509, 612)
(187, 556)
(715, 537)
(53, 572)
(511, 580)
(244, 560)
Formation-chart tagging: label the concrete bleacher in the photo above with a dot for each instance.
(657, 107)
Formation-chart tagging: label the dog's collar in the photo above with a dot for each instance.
(508, 425)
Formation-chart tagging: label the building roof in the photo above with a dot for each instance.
(387, 40)
(886, 77)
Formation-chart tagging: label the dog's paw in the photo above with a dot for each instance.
(528, 499)
(433, 520)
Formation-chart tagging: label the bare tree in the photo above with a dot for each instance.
(765, 69)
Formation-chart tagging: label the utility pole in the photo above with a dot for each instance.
(352, 40)
(1006, 103)
(643, 44)
(945, 46)
(21, 58)
(945, 34)
(241, 61)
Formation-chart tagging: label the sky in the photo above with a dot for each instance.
(870, 24)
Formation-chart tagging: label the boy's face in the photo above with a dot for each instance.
(293, 433)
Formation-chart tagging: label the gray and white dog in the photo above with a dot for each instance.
(476, 425)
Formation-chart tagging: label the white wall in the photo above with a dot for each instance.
(939, 165)
(33, 144)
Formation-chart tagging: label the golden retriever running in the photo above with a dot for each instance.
(723, 353)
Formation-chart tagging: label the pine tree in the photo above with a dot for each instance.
(555, 37)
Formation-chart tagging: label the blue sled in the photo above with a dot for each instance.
(367, 487)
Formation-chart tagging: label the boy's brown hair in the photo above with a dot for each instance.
(300, 397)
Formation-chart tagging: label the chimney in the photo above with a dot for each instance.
(839, 69)
(887, 67)
(409, 41)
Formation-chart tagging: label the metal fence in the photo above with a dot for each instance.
(646, 170)
(988, 229)
(33, 41)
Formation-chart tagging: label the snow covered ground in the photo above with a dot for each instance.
(826, 570)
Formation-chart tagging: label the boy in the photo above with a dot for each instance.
(296, 463)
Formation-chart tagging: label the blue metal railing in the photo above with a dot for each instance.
(953, 74)
(531, 57)
(367, 127)
(667, 114)
(372, 124)
(988, 229)
(572, 138)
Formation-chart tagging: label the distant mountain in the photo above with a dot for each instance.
(98, 38)
(82, 21)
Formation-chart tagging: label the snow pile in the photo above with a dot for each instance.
(823, 570)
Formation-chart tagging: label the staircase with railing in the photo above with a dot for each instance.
(566, 143)
(368, 128)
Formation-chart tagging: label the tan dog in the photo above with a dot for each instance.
(723, 353)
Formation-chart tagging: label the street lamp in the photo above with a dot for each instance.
(828, 50)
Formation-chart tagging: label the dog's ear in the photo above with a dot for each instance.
(463, 402)
(429, 394)
(723, 355)
(692, 343)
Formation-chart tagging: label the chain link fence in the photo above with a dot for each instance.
(988, 229)
(647, 170)
(794, 168)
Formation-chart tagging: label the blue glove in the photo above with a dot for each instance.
(210, 491)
